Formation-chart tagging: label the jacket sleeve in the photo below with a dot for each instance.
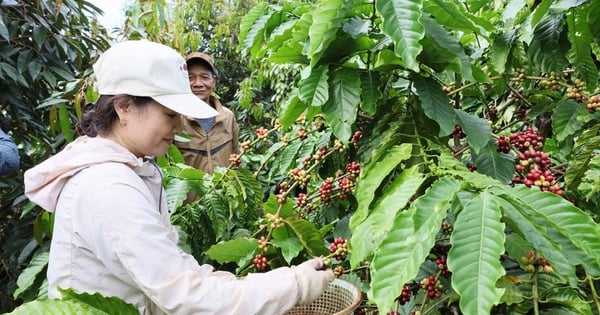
(9, 154)
(236, 137)
(128, 232)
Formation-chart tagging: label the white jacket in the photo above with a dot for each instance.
(112, 235)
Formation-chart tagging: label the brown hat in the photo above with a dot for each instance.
(202, 57)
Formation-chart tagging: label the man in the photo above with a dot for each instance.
(212, 140)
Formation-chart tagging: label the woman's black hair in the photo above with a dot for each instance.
(98, 118)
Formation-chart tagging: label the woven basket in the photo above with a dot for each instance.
(340, 298)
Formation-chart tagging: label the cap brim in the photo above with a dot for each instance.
(187, 105)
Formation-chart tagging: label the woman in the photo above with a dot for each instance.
(112, 232)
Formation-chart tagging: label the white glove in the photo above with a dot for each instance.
(312, 279)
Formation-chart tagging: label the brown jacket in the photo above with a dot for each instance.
(207, 151)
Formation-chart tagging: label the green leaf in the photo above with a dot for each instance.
(453, 52)
(593, 18)
(252, 27)
(309, 236)
(73, 303)
(370, 87)
(500, 49)
(495, 164)
(564, 119)
(366, 237)
(371, 177)
(344, 98)
(313, 89)
(281, 34)
(583, 151)
(285, 158)
(549, 45)
(474, 258)
(4, 30)
(564, 5)
(435, 103)
(217, 210)
(520, 221)
(292, 50)
(590, 184)
(98, 303)
(235, 250)
(580, 37)
(176, 192)
(28, 276)
(327, 19)
(568, 225)
(478, 131)
(454, 17)
(568, 297)
(65, 122)
(397, 250)
(408, 243)
(291, 109)
(290, 247)
(401, 23)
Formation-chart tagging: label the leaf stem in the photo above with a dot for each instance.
(593, 288)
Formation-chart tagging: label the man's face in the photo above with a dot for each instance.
(202, 80)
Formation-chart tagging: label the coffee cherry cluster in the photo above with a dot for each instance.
(404, 297)
(574, 92)
(325, 190)
(246, 145)
(346, 185)
(458, 133)
(432, 286)
(527, 140)
(300, 176)
(447, 227)
(356, 137)
(492, 113)
(533, 162)
(262, 132)
(519, 75)
(353, 168)
(551, 81)
(302, 200)
(302, 133)
(503, 144)
(593, 104)
(282, 195)
(235, 160)
(275, 220)
(320, 154)
(338, 271)
(263, 244)
(260, 262)
(442, 265)
(533, 261)
(339, 248)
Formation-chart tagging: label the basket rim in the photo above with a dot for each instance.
(357, 296)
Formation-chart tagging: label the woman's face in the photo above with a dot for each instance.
(147, 130)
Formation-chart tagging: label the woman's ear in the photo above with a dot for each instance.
(121, 105)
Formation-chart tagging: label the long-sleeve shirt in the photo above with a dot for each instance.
(113, 235)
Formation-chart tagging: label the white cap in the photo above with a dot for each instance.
(145, 68)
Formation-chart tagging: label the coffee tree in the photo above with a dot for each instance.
(478, 176)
